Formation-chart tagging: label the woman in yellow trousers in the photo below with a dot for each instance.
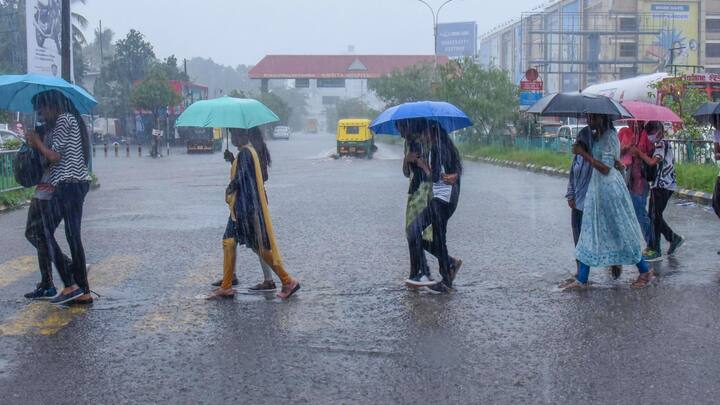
(249, 223)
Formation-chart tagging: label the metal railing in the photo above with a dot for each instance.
(7, 178)
(685, 151)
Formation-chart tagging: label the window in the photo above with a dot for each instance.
(331, 83)
(627, 72)
(330, 100)
(628, 24)
(302, 83)
(712, 49)
(628, 50)
(352, 130)
(712, 24)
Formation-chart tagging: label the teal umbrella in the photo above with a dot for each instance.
(226, 112)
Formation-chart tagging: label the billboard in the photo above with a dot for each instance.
(457, 40)
(44, 45)
(678, 28)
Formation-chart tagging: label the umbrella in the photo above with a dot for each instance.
(577, 105)
(450, 117)
(226, 112)
(17, 91)
(650, 112)
(708, 112)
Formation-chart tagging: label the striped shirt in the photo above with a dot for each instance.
(67, 141)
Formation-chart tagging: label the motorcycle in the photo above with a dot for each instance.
(47, 23)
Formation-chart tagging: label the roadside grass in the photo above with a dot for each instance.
(537, 157)
(15, 198)
(700, 177)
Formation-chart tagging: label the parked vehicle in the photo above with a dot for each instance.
(354, 137)
(9, 138)
(281, 132)
(200, 140)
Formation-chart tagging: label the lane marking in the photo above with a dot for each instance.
(17, 268)
(182, 311)
(43, 318)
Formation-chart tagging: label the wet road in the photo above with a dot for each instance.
(353, 334)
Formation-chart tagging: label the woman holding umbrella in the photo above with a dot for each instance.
(444, 169)
(249, 223)
(611, 234)
(69, 176)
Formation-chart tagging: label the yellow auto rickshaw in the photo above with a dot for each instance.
(354, 138)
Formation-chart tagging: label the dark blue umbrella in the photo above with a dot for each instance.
(708, 113)
(17, 91)
(578, 105)
(450, 117)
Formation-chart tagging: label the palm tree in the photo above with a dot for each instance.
(79, 24)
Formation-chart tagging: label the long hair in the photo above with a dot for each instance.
(446, 147)
(57, 101)
(258, 142)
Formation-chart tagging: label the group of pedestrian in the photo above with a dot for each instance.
(611, 177)
(434, 167)
(62, 143)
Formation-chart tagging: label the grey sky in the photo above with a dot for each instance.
(243, 31)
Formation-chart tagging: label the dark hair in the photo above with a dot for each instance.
(57, 100)
(446, 145)
(654, 126)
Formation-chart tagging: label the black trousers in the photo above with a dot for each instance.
(42, 216)
(70, 198)
(659, 198)
(437, 214)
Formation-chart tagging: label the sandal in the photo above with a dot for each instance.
(570, 285)
(221, 294)
(643, 280)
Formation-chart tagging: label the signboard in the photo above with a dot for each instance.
(44, 46)
(531, 88)
(457, 40)
(677, 22)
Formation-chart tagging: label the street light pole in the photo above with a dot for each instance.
(436, 17)
(65, 39)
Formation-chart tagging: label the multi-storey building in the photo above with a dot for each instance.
(576, 43)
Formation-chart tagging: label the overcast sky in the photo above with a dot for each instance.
(236, 32)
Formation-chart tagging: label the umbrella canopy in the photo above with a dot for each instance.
(578, 105)
(226, 112)
(650, 112)
(17, 91)
(450, 117)
(708, 112)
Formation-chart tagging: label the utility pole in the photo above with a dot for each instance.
(102, 55)
(436, 16)
(66, 28)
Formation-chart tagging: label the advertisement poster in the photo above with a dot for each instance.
(44, 33)
(677, 23)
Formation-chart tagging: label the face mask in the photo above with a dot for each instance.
(652, 137)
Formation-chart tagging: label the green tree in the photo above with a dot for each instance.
(486, 95)
(348, 108)
(131, 62)
(170, 66)
(684, 100)
(413, 83)
(274, 102)
(154, 93)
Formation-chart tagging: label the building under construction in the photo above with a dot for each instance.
(576, 43)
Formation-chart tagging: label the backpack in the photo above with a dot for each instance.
(27, 166)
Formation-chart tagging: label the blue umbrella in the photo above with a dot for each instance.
(17, 91)
(450, 117)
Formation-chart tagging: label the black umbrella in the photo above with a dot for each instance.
(708, 113)
(578, 105)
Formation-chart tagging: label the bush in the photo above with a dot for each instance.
(700, 177)
(12, 144)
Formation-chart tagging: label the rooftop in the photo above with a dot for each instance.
(335, 66)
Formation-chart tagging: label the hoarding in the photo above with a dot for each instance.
(44, 45)
(531, 89)
(678, 26)
(457, 40)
